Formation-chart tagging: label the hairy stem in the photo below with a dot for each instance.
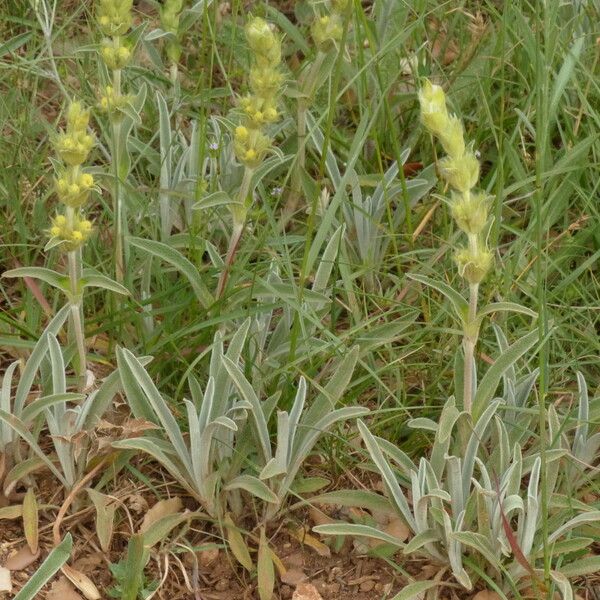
(307, 88)
(239, 222)
(469, 342)
(77, 332)
(117, 192)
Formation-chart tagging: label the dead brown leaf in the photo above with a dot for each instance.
(5, 580)
(22, 559)
(62, 590)
(161, 509)
(82, 582)
(305, 538)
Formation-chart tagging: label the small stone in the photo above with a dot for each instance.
(306, 591)
(208, 557)
(222, 585)
(293, 577)
(367, 586)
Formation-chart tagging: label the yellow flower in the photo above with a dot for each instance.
(434, 114)
(474, 265)
(114, 16)
(327, 30)
(470, 211)
(462, 173)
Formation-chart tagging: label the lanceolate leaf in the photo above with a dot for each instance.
(489, 383)
(55, 560)
(180, 262)
(47, 275)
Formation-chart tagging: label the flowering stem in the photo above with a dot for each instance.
(469, 342)
(117, 193)
(75, 296)
(239, 222)
(307, 87)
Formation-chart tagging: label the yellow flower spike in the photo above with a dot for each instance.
(470, 211)
(114, 16)
(340, 6)
(114, 54)
(263, 42)
(55, 231)
(271, 114)
(265, 81)
(452, 137)
(326, 31)
(461, 173)
(474, 265)
(85, 226)
(241, 133)
(77, 118)
(77, 236)
(86, 180)
(434, 114)
(60, 220)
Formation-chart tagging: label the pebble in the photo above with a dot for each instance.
(222, 585)
(367, 586)
(306, 591)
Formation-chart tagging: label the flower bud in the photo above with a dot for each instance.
(434, 114)
(114, 16)
(265, 81)
(114, 54)
(452, 137)
(326, 31)
(470, 211)
(250, 146)
(260, 36)
(474, 265)
(340, 6)
(462, 173)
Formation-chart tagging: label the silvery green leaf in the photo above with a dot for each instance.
(48, 276)
(33, 409)
(459, 304)
(6, 433)
(310, 437)
(398, 456)
(423, 423)
(563, 585)
(21, 428)
(321, 279)
(134, 373)
(272, 469)
(254, 486)
(588, 565)
(295, 413)
(415, 591)
(475, 439)
(245, 389)
(387, 474)
(35, 359)
(180, 262)
(506, 360)
(91, 278)
(46, 571)
(453, 547)
(424, 538)
(480, 543)
(150, 447)
(358, 531)
(588, 517)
